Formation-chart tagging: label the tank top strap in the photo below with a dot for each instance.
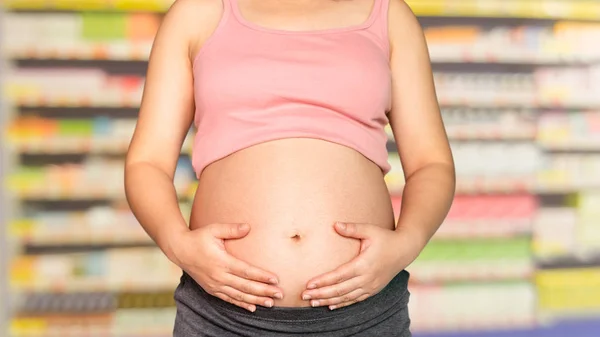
(227, 7)
(379, 25)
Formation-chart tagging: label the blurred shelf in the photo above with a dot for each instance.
(89, 5)
(497, 132)
(483, 229)
(534, 9)
(494, 185)
(77, 145)
(115, 270)
(585, 260)
(96, 101)
(155, 322)
(583, 145)
(138, 52)
(91, 285)
(484, 270)
(96, 302)
(449, 54)
(566, 188)
(91, 238)
(482, 185)
(574, 328)
(538, 9)
(86, 194)
(129, 51)
(467, 100)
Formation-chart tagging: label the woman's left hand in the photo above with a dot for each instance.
(383, 254)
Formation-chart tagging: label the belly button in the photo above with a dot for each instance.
(295, 236)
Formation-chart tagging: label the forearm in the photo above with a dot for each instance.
(153, 200)
(426, 200)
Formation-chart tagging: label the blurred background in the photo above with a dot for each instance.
(519, 255)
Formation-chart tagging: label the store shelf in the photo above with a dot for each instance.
(582, 328)
(519, 102)
(77, 145)
(538, 9)
(89, 5)
(138, 52)
(534, 9)
(95, 272)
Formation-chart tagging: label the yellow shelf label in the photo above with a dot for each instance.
(554, 9)
(26, 4)
(80, 4)
(147, 5)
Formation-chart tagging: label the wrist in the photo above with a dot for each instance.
(412, 240)
(171, 243)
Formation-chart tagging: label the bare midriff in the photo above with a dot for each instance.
(291, 192)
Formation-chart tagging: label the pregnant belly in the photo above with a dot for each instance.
(291, 192)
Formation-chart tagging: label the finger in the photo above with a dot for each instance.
(345, 304)
(246, 271)
(229, 231)
(346, 298)
(336, 290)
(226, 298)
(253, 287)
(351, 230)
(247, 298)
(343, 273)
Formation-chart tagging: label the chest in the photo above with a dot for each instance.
(348, 72)
(305, 15)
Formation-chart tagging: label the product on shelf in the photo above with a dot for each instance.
(92, 135)
(73, 87)
(569, 292)
(95, 178)
(534, 9)
(563, 131)
(562, 43)
(472, 307)
(469, 260)
(131, 269)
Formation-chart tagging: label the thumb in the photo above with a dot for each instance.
(229, 231)
(352, 230)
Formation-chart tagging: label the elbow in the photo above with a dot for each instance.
(443, 172)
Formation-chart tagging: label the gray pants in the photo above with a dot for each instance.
(200, 314)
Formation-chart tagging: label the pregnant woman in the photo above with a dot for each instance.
(292, 230)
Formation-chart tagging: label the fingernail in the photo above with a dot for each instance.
(252, 308)
(273, 281)
(332, 307)
(278, 295)
(268, 303)
(341, 225)
(312, 286)
(306, 297)
(315, 303)
(243, 227)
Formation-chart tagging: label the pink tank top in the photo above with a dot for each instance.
(254, 84)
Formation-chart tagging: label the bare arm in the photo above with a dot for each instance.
(428, 166)
(418, 129)
(165, 117)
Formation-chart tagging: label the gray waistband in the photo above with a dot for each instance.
(394, 294)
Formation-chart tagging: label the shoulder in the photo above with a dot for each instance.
(401, 19)
(404, 28)
(195, 11)
(192, 20)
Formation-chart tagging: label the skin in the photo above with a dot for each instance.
(428, 167)
(167, 112)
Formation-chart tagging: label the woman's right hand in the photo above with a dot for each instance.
(201, 254)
